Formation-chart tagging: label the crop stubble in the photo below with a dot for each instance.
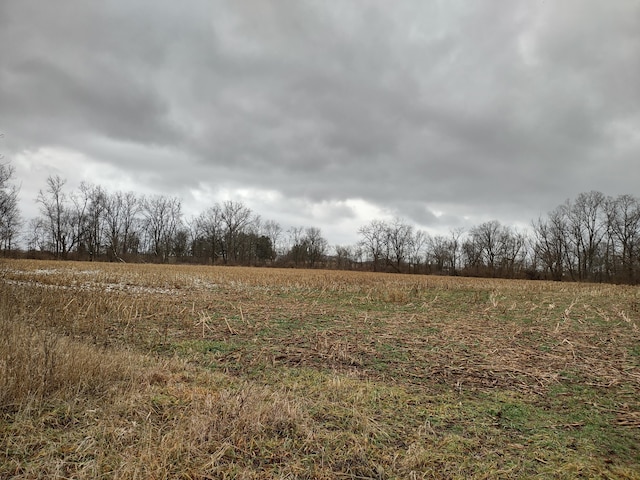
(263, 373)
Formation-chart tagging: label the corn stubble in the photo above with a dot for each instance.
(132, 371)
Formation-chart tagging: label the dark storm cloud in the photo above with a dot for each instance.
(61, 80)
(499, 108)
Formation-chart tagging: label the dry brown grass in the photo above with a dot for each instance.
(147, 371)
(37, 365)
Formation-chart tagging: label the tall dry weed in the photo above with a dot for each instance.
(37, 365)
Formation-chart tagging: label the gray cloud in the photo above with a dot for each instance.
(496, 110)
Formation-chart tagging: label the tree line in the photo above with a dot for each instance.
(94, 224)
(591, 238)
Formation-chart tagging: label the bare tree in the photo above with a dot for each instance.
(417, 247)
(455, 235)
(316, 246)
(79, 220)
(295, 249)
(587, 228)
(440, 253)
(163, 218)
(488, 238)
(38, 239)
(550, 242)
(498, 248)
(210, 228)
(273, 231)
(121, 212)
(94, 200)
(59, 216)
(344, 257)
(399, 236)
(374, 242)
(472, 253)
(444, 251)
(513, 252)
(9, 211)
(623, 222)
(307, 247)
(235, 218)
(250, 245)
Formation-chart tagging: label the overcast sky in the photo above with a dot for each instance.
(327, 113)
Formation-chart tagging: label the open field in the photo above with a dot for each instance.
(148, 371)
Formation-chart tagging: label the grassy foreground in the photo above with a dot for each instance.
(147, 371)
